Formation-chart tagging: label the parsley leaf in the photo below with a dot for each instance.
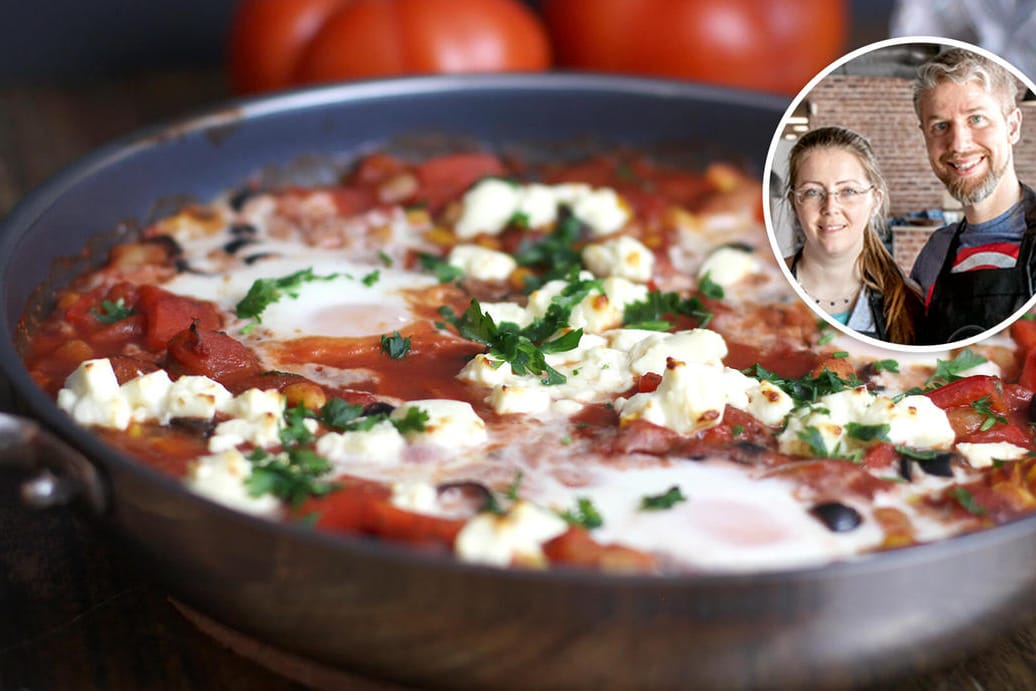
(585, 514)
(709, 288)
(667, 500)
(112, 312)
(444, 271)
(291, 476)
(339, 414)
(371, 278)
(815, 441)
(967, 500)
(266, 291)
(947, 371)
(991, 417)
(868, 432)
(512, 490)
(650, 313)
(395, 345)
(919, 454)
(555, 253)
(885, 366)
(806, 389)
(384, 258)
(414, 420)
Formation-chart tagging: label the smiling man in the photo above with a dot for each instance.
(978, 272)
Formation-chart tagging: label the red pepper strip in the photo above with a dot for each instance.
(968, 390)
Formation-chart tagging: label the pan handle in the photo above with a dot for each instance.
(59, 474)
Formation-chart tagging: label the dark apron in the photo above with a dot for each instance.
(967, 303)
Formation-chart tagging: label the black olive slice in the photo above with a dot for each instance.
(939, 465)
(379, 408)
(838, 517)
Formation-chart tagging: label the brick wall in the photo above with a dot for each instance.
(882, 109)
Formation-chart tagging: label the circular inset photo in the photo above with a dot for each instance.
(901, 202)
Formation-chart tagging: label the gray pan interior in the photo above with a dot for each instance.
(391, 612)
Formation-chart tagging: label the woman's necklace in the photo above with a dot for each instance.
(843, 300)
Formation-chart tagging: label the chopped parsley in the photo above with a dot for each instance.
(868, 432)
(444, 271)
(965, 499)
(512, 490)
(585, 514)
(667, 500)
(384, 258)
(266, 291)
(919, 454)
(651, 312)
(414, 420)
(826, 338)
(737, 430)
(525, 349)
(885, 366)
(555, 253)
(112, 312)
(840, 355)
(807, 389)
(292, 475)
(709, 288)
(371, 278)
(947, 371)
(395, 345)
(990, 417)
(812, 438)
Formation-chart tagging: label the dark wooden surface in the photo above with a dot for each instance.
(77, 614)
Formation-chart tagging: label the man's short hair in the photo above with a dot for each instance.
(962, 66)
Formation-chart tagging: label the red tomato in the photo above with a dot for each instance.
(777, 45)
(277, 43)
(267, 38)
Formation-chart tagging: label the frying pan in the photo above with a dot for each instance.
(392, 612)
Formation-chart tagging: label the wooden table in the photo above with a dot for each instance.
(75, 613)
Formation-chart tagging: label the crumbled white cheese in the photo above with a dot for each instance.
(196, 396)
(417, 496)
(509, 399)
(262, 431)
(599, 312)
(382, 443)
(488, 206)
(507, 312)
(482, 263)
(728, 265)
(768, 403)
(492, 203)
(91, 395)
(148, 396)
(691, 397)
(450, 423)
(221, 477)
(983, 455)
(913, 421)
(650, 353)
(516, 537)
(623, 256)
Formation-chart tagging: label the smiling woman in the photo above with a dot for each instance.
(840, 201)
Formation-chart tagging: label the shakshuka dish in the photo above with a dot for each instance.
(593, 364)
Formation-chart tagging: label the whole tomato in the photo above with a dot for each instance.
(766, 45)
(278, 43)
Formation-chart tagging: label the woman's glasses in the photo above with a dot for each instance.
(816, 196)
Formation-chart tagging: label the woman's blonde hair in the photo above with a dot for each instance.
(879, 270)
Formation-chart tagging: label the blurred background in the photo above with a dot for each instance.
(70, 41)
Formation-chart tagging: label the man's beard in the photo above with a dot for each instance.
(970, 192)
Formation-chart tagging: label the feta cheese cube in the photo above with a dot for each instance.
(623, 256)
(482, 263)
(381, 443)
(450, 423)
(196, 396)
(222, 476)
(487, 207)
(983, 455)
(516, 537)
(728, 265)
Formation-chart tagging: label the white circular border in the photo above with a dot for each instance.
(768, 220)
